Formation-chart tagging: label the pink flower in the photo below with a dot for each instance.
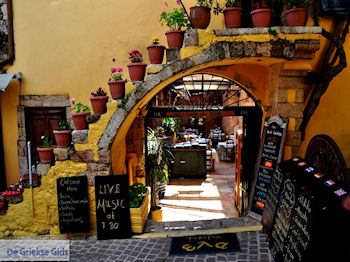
(294, 7)
(113, 69)
(119, 69)
(166, 3)
(72, 100)
(178, 2)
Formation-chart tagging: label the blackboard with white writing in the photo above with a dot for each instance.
(270, 153)
(112, 206)
(73, 204)
(273, 196)
(282, 221)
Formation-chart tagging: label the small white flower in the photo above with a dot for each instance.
(42, 137)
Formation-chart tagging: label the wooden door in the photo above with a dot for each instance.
(238, 171)
(42, 122)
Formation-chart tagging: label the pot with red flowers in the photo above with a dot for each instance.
(261, 14)
(296, 12)
(98, 101)
(116, 83)
(136, 68)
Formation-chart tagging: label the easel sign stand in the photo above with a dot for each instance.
(270, 153)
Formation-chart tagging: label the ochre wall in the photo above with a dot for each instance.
(332, 116)
(67, 47)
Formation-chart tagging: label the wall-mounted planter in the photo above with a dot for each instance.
(138, 216)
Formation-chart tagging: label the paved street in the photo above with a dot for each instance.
(253, 248)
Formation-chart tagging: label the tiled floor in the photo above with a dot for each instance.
(201, 199)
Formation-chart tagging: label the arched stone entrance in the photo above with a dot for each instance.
(277, 89)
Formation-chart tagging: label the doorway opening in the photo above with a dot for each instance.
(211, 126)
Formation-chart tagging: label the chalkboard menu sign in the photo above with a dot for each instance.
(307, 221)
(112, 206)
(270, 153)
(273, 196)
(73, 204)
(282, 220)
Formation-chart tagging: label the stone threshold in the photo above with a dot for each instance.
(202, 227)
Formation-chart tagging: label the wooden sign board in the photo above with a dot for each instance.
(270, 153)
(73, 204)
(112, 206)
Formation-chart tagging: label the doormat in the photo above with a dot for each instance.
(204, 244)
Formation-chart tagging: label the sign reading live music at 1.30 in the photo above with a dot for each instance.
(73, 204)
(270, 153)
(112, 206)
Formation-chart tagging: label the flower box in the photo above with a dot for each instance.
(138, 216)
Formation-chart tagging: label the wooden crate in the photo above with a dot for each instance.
(138, 216)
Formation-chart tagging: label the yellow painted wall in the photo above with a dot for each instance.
(67, 46)
(332, 117)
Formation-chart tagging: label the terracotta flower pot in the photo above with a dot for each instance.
(200, 17)
(155, 53)
(98, 104)
(296, 16)
(261, 17)
(79, 120)
(63, 138)
(137, 71)
(232, 17)
(117, 88)
(174, 38)
(45, 154)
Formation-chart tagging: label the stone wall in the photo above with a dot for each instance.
(3, 29)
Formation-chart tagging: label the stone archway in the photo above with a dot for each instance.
(254, 59)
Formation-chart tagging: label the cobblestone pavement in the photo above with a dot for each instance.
(253, 248)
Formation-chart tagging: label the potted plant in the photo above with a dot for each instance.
(296, 13)
(79, 117)
(45, 150)
(232, 13)
(63, 134)
(98, 101)
(136, 68)
(157, 160)
(200, 15)
(140, 205)
(116, 83)
(155, 51)
(261, 14)
(175, 20)
(160, 131)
